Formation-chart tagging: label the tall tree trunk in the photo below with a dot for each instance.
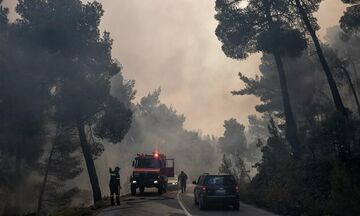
(352, 88)
(43, 186)
(17, 159)
(18, 183)
(333, 87)
(291, 125)
(357, 79)
(89, 163)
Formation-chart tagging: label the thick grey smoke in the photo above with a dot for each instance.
(347, 49)
(172, 44)
(157, 127)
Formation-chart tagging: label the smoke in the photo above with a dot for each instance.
(172, 44)
(157, 127)
(347, 48)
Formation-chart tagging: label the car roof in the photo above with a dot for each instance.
(222, 174)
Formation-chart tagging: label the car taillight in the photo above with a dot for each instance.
(204, 189)
(237, 189)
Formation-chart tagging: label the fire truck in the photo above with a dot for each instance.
(151, 170)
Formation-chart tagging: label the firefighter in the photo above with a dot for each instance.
(182, 178)
(115, 185)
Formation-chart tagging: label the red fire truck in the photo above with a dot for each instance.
(151, 170)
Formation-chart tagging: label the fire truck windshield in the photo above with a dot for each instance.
(148, 163)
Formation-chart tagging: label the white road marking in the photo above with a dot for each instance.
(187, 213)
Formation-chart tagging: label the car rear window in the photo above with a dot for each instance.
(220, 180)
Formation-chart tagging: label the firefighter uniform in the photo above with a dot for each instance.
(114, 185)
(182, 178)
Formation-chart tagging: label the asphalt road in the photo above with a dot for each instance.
(173, 204)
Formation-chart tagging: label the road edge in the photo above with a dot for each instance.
(187, 213)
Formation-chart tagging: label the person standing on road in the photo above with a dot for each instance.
(115, 185)
(182, 178)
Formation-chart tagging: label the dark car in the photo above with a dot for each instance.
(216, 189)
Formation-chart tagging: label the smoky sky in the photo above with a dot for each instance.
(171, 44)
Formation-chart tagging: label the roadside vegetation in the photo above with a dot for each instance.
(55, 102)
(319, 174)
(67, 111)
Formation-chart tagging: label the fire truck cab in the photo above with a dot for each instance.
(151, 170)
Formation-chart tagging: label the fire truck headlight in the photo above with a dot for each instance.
(155, 182)
(134, 182)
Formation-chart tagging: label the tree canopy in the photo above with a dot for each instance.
(350, 21)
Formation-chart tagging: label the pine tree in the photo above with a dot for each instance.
(259, 27)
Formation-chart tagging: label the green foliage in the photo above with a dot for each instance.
(265, 26)
(64, 155)
(258, 128)
(283, 39)
(247, 30)
(226, 165)
(316, 183)
(344, 194)
(3, 15)
(71, 29)
(55, 69)
(235, 165)
(24, 103)
(158, 114)
(350, 21)
(273, 186)
(68, 31)
(266, 87)
(323, 182)
(234, 137)
(308, 85)
(115, 123)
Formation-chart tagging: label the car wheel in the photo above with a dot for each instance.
(202, 205)
(195, 200)
(236, 206)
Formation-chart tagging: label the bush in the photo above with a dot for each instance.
(325, 181)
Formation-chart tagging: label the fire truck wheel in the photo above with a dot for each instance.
(133, 191)
(142, 189)
(160, 190)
